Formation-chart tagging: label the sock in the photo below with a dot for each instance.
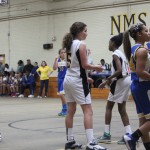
(64, 106)
(89, 135)
(107, 128)
(69, 133)
(128, 129)
(147, 146)
(137, 134)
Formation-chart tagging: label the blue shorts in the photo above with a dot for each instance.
(141, 95)
(60, 86)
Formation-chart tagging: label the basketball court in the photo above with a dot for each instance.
(33, 124)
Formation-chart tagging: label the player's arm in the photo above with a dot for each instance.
(141, 58)
(55, 65)
(84, 63)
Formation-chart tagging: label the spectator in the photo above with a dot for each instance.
(13, 84)
(19, 77)
(105, 66)
(90, 60)
(33, 71)
(20, 66)
(28, 82)
(44, 72)
(28, 67)
(5, 83)
(1, 68)
(8, 68)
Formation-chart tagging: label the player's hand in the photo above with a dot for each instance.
(56, 57)
(102, 85)
(98, 68)
(90, 80)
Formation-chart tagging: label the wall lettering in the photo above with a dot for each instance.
(121, 23)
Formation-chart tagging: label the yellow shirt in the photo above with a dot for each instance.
(44, 72)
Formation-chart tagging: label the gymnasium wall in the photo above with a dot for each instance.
(23, 38)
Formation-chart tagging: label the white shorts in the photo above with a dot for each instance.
(120, 90)
(76, 90)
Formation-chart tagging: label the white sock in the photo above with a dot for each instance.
(89, 135)
(70, 136)
(128, 129)
(107, 128)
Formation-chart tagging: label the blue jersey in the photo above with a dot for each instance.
(134, 77)
(62, 68)
(148, 45)
(140, 90)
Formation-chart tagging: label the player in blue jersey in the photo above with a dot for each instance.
(139, 58)
(60, 64)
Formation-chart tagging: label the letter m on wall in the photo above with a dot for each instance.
(116, 23)
(128, 22)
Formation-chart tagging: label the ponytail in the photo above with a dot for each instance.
(127, 45)
(67, 41)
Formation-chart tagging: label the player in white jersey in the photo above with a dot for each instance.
(76, 85)
(139, 58)
(119, 81)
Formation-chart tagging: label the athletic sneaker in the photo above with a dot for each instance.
(121, 142)
(30, 96)
(62, 114)
(105, 138)
(72, 145)
(130, 142)
(94, 146)
(21, 96)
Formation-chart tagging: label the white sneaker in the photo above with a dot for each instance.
(39, 97)
(21, 96)
(94, 146)
(30, 96)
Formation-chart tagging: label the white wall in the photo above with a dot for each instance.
(27, 35)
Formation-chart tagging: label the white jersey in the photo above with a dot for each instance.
(73, 58)
(75, 84)
(124, 63)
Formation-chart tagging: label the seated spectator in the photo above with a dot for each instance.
(28, 67)
(5, 86)
(8, 68)
(12, 83)
(20, 66)
(28, 82)
(105, 66)
(19, 77)
(33, 71)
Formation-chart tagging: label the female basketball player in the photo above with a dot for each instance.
(60, 63)
(119, 88)
(140, 63)
(76, 84)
